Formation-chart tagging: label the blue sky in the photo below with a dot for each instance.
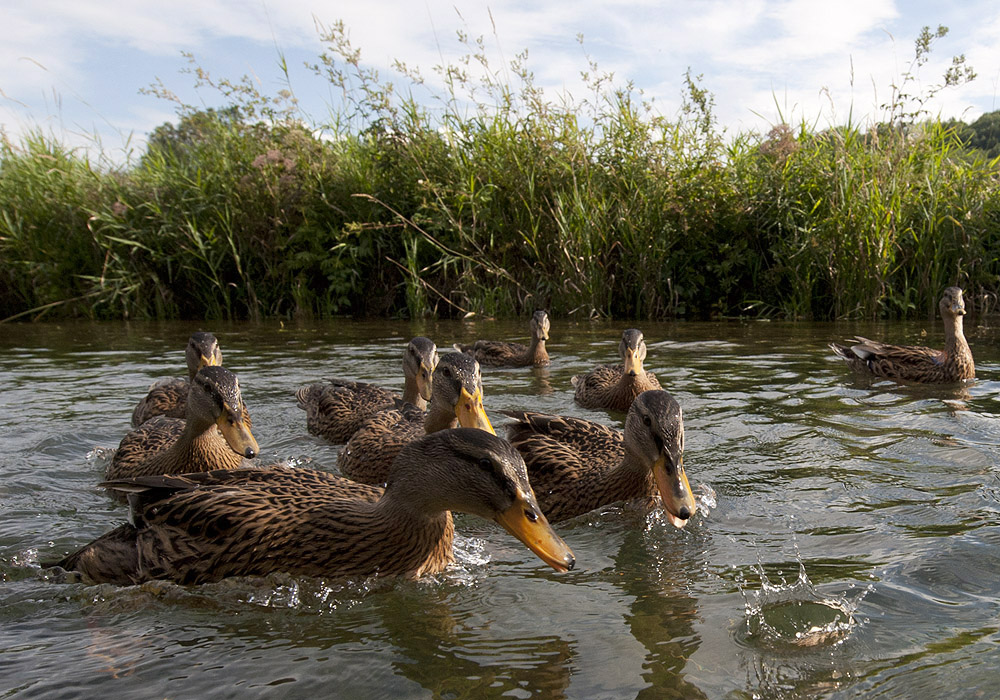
(75, 69)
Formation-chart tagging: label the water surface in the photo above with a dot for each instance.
(884, 496)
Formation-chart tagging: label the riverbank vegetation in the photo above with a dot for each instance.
(493, 198)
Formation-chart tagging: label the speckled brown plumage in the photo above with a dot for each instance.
(577, 465)
(336, 409)
(204, 527)
(456, 398)
(213, 436)
(497, 353)
(168, 397)
(909, 363)
(614, 388)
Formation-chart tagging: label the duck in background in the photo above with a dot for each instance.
(168, 396)
(914, 363)
(614, 387)
(215, 434)
(498, 353)
(456, 399)
(335, 410)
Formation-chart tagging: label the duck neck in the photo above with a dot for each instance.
(954, 334)
(439, 418)
(631, 478)
(198, 449)
(419, 537)
(630, 385)
(411, 394)
(536, 350)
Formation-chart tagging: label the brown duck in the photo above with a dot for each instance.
(456, 399)
(913, 363)
(611, 387)
(497, 353)
(335, 410)
(168, 397)
(577, 465)
(204, 527)
(213, 436)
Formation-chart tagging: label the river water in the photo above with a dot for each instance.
(820, 492)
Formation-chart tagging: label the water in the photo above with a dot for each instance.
(832, 496)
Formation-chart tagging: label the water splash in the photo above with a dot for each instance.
(796, 615)
(100, 457)
(706, 498)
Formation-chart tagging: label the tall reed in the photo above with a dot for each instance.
(495, 198)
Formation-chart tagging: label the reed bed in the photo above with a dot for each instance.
(497, 200)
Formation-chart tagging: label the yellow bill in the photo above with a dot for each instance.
(527, 523)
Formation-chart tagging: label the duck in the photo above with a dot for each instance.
(168, 396)
(456, 399)
(577, 465)
(336, 409)
(199, 528)
(914, 363)
(214, 435)
(612, 387)
(497, 353)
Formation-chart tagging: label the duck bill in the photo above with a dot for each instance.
(675, 491)
(527, 523)
(633, 363)
(470, 412)
(210, 361)
(425, 381)
(237, 434)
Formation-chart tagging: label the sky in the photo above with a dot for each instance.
(76, 70)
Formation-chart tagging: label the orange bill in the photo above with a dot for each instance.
(527, 523)
(237, 434)
(675, 491)
(470, 412)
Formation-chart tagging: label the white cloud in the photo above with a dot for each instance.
(79, 63)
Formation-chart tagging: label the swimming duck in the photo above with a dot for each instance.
(613, 387)
(213, 436)
(197, 528)
(911, 363)
(577, 465)
(168, 397)
(335, 410)
(497, 353)
(456, 399)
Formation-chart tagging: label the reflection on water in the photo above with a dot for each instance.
(883, 497)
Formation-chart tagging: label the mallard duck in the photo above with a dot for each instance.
(910, 363)
(197, 528)
(497, 353)
(456, 399)
(168, 397)
(614, 387)
(335, 410)
(213, 436)
(576, 465)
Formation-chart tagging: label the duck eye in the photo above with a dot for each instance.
(647, 421)
(207, 388)
(486, 463)
(446, 372)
